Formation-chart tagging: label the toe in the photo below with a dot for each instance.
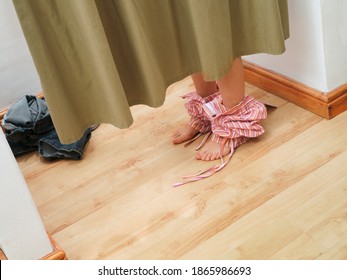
(176, 139)
(199, 155)
(207, 157)
(214, 156)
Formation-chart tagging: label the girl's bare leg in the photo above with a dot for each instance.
(232, 90)
(203, 89)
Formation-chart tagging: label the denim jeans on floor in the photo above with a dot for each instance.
(51, 148)
(28, 127)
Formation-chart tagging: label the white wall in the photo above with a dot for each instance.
(334, 19)
(22, 233)
(18, 75)
(316, 50)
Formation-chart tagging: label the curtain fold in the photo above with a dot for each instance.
(96, 58)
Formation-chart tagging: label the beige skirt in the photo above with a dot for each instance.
(96, 58)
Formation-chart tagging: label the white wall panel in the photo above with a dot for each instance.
(18, 75)
(22, 233)
(317, 48)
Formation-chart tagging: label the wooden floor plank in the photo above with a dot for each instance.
(291, 207)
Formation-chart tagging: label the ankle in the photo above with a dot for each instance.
(232, 102)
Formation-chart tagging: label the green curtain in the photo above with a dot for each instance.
(96, 58)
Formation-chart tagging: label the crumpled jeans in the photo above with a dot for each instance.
(28, 127)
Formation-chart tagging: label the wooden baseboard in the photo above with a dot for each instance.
(327, 105)
(57, 253)
(2, 113)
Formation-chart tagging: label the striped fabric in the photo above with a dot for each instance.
(230, 127)
(198, 119)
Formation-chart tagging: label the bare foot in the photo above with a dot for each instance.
(211, 151)
(183, 134)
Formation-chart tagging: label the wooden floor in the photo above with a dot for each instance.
(283, 195)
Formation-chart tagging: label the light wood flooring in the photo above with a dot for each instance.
(283, 195)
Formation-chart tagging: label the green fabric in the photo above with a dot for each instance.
(95, 58)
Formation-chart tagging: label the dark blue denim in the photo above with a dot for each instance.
(25, 123)
(51, 148)
(28, 127)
